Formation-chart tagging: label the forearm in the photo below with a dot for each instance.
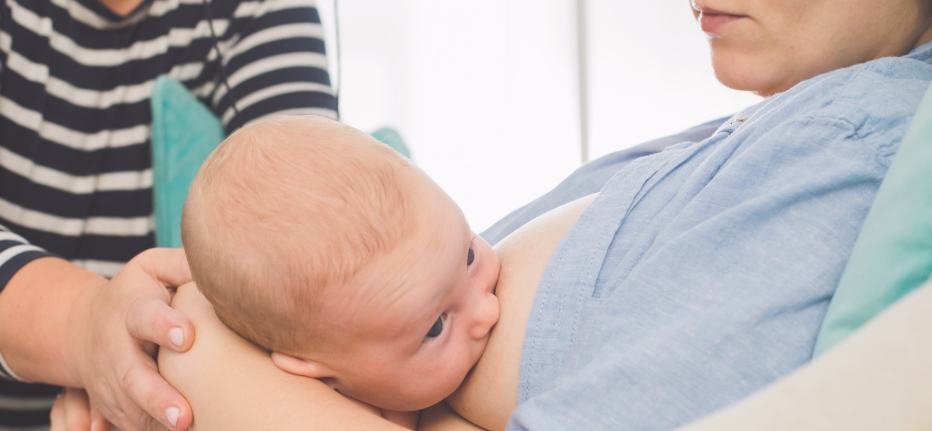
(880, 378)
(233, 385)
(35, 337)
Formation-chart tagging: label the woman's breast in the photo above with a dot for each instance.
(490, 392)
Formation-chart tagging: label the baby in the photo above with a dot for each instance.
(319, 243)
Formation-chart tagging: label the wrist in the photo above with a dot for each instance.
(37, 306)
(78, 338)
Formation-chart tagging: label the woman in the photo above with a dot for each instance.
(698, 275)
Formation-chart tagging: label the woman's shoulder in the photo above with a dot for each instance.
(883, 88)
(871, 104)
(881, 95)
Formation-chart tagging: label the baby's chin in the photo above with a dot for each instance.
(456, 392)
(450, 390)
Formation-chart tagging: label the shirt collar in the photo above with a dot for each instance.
(114, 20)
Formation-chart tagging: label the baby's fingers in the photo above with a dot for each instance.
(98, 421)
(77, 410)
(71, 411)
(57, 416)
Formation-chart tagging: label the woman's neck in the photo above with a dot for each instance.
(121, 7)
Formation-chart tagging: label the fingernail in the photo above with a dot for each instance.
(172, 414)
(177, 336)
(97, 424)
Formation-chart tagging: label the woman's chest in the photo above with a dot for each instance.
(490, 392)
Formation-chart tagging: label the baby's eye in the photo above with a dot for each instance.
(471, 256)
(437, 329)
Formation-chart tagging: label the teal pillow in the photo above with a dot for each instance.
(893, 254)
(392, 138)
(184, 133)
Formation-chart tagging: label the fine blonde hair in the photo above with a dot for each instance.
(283, 209)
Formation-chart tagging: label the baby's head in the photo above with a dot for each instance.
(321, 244)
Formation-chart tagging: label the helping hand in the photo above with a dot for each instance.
(116, 329)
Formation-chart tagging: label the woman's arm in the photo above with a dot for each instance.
(879, 378)
(232, 385)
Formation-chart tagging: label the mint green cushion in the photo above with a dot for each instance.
(893, 254)
(184, 132)
(392, 138)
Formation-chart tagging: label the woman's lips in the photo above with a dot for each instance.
(713, 22)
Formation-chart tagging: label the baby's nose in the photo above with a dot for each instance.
(486, 317)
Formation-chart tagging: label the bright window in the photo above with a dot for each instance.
(485, 92)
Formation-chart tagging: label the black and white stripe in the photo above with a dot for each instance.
(75, 83)
(25, 407)
(75, 174)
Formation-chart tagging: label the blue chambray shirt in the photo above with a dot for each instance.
(703, 272)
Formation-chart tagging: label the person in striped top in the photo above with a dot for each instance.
(76, 77)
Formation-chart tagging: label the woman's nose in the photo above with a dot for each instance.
(485, 318)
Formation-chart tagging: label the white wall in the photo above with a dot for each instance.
(485, 91)
(650, 74)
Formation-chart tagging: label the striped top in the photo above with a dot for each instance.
(75, 83)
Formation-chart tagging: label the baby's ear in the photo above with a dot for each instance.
(301, 367)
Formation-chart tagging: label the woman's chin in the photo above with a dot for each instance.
(751, 87)
(769, 73)
(735, 74)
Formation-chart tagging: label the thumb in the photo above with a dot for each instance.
(153, 320)
(168, 266)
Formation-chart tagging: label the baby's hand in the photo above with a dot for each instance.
(72, 411)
